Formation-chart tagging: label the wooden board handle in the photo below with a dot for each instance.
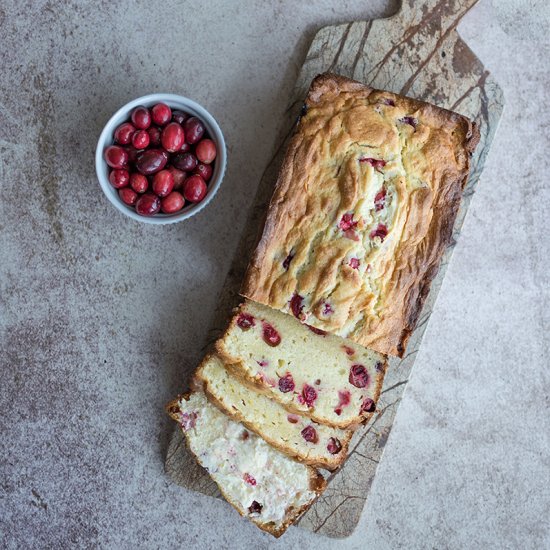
(430, 12)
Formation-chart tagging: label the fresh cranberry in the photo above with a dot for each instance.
(263, 362)
(368, 405)
(410, 120)
(178, 175)
(309, 433)
(116, 157)
(270, 335)
(327, 309)
(334, 446)
(354, 263)
(132, 153)
(204, 171)
(124, 133)
(358, 376)
(184, 161)
(344, 399)
(293, 418)
(245, 321)
(138, 182)
(141, 117)
(347, 223)
(388, 101)
(194, 189)
(194, 129)
(161, 114)
(287, 260)
(348, 350)
(148, 205)
(286, 383)
(163, 183)
(249, 479)
(151, 161)
(375, 163)
(154, 136)
(316, 330)
(381, 231)
(297, 305)
(380, 199)
(140, 140)
(309, 395)
(172, 137)
(185, 148)
(180, 117)
(128, 196)
(173, 202)
(205, 151)
(119, 178)
(255, 508)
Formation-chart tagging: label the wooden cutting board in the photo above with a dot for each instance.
(418, 53)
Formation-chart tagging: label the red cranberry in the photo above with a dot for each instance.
(151, 161)
(377, 164)
(128, 196)
(296, 305)
(368, 405)
(316, 330)
(172, 137)
(309, 433)
(263, 362)
(140, 140)
(184, 161)
(116, 157)
(354, 263)
(206, 151)
(172, 203)
(244, 436)
(141, 117)
(286, 383)
(309, 395)
(148, 205)
(327, 309)
(348, 350)
(344, 399)
(245, 321)
(178, 175)
(334, 446)
(180, 117)
(287, 261)
(154, 136)
(185, 148)
(358, 376)
(293, 418)
(381, 231)
(194, 129)
(388, 101)
(119, 178)
(347, 223)
(204, 171)
(161, 114)
(380, 199)
(409, 120)
(132, 154)
(194, 189)
(124, 133)
(249, 479)
(255, 508)
(138, 182)
(188, 420)
(270, 335)
(163, 183)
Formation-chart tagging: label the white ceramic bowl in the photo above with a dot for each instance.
(176, 102)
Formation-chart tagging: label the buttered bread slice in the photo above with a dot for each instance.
(332, 380)
(264, 485)
(293, 434)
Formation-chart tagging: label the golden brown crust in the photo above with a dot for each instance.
(200, 383)
(317, 483)
(319, 181)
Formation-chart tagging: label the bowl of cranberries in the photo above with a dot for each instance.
(161, 158)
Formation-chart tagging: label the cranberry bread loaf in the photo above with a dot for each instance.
(293, 434)
(362, 212)
(263, 484)
(331, 380)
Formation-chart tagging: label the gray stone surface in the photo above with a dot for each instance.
(102, 318)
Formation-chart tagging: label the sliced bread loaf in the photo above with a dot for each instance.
(293, 434)
(330, 379)
(264, 485)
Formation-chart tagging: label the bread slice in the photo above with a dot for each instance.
(293, 434)
(264, 485)
(332, 380)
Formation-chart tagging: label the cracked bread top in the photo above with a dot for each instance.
(362, 212)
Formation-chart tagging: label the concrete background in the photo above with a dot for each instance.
(103, 318)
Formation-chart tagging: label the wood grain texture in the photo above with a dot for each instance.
(417, 52)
